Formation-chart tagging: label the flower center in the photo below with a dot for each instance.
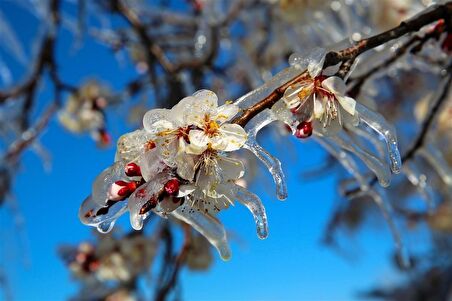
(211, 127)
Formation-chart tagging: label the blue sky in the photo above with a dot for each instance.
(291, 264)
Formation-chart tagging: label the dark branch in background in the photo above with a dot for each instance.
(175, 264)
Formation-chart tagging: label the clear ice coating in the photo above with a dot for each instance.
(105, 179)
(254, 204)
(105, 222)
(272, 163)
(208, 226)
(379, 124)
(142, 195)
(346, 160)
(379, 198)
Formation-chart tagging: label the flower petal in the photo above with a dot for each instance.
(231, 169)
(153, 116)
(206, 103)
(150, 164)
(185, 190)
(318, 107)
(198, 142)
(335, 84)
(226, 112)
(178, 111)
(186, 165)
(131, 145)
(316, 59)
(231, 137)
(347, 103)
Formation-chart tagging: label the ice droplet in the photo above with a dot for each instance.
(105, 227)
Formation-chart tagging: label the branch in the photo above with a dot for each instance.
(413, 44)
(433, 14)
(349, 54)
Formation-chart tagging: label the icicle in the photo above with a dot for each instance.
(436, 159)
(208, 226)
(378, 168)
(386, 209)
(364, 131)
(272, 163)
(254, 204)
(419, 180)
(347, 161)
(381, 126)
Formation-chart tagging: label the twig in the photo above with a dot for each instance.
(349, 54)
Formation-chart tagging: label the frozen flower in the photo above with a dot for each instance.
(320, 99)
(191, 127)
(177, 166)
(212, 130)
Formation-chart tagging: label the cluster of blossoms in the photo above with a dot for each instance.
(84, 111)
(181, 165)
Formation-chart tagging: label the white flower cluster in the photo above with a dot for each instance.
(318, 104)
(179, 166)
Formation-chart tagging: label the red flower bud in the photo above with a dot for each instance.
(133, 170)
(172, 187)
(304, 130)
(120, 190)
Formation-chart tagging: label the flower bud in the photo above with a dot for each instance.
(120, 190)
(132, 170)
(172, 187)
(304, 130)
